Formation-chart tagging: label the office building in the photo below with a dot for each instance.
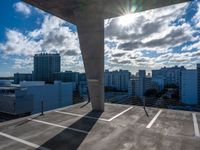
(45, 65)
(189, 87)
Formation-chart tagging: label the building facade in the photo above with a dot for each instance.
(45, 65)
(53, 96)
(189, 87)
(15, 101)
(18, 77)
(171, 75)
(67, 76)
(117, 79)
(140, 84)
(198, 83)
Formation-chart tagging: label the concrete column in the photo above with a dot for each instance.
(90, 25)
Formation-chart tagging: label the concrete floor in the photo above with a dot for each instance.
(120, 127)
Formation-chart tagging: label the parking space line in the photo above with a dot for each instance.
(77, 115)
(89, 117)
(23, 141)
(60, 126)
(196, 127)
(154, 119)
(120, 114)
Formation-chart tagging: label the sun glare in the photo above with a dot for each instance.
(126, 20)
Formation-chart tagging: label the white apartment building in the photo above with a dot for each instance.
(117, 79)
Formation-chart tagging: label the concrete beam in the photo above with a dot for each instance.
(91, 38)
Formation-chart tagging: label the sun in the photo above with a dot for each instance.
(126, 20)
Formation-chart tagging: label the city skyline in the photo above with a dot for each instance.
(164, 39)
(47, 57)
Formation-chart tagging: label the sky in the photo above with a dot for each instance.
(149, 40)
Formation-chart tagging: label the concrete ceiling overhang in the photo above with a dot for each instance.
(64, 9)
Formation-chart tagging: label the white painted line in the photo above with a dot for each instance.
(120, 114)
(84, 116)
(154, 119)
(196, 128)
(102, 119)
(60, 126)
(111, 104)
(23, 141)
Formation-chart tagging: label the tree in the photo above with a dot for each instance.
(151, 93)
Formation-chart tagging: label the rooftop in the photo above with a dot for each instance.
(119, 127)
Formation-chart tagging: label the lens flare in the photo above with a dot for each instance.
(126, 20)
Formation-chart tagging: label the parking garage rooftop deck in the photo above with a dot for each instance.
(121, 127)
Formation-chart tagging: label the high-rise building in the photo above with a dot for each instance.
(142, 73)
(142, 83)
(45, 65)
(189, 87)
(158, 82)
(198, 82)
(131, 87)
(171, 75)
(139, 84)
(117, 79)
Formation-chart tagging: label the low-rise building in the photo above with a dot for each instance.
(18, 77)
(28, 97)
(15, 101)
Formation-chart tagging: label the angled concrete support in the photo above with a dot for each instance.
(91, 38)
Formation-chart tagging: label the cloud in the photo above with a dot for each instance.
(18, 44)
(22, 8)
(196, 18)
(70, 52)
(20, 63)
(53, 36)
(118, 54)
(154, 38)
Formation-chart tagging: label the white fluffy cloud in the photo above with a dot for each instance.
(22, 8)
(196, 18)
(152, 40)
(54, 36)
(18, 44)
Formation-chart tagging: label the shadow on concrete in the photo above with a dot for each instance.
(27, 120)
(85, 104)
(69, 139)
(146, 111)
